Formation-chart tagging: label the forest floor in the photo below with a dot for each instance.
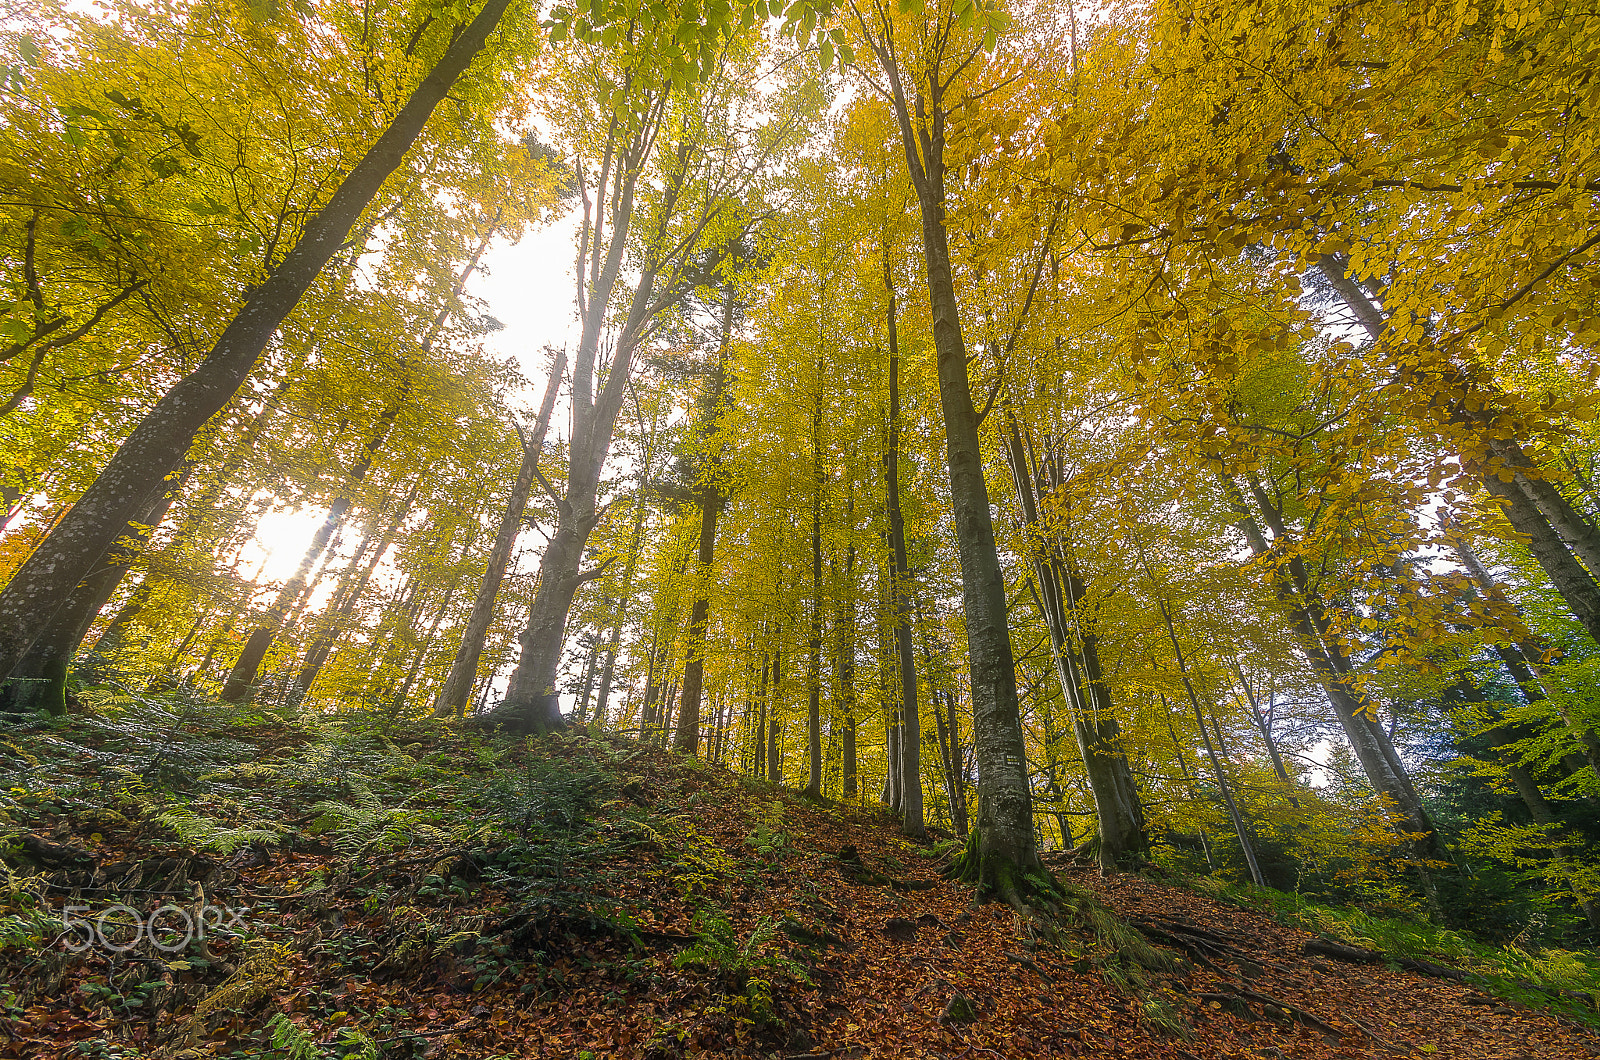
(420, 893)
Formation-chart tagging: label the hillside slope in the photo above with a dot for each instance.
(422, 893)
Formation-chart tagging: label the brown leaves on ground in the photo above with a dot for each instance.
(869, 954)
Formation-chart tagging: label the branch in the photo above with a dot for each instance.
(593, 572)
(560, 501)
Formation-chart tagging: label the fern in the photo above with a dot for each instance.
(295, 1041)
(365, 825)
(206, 834)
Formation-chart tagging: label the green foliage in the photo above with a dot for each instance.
(206, 834)
(1521, 969)
(765, 838)
(749, 964)
(295, 1042)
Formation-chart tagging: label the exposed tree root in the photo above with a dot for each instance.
(1050, 908)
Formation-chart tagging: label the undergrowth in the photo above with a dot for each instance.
(1520, 970)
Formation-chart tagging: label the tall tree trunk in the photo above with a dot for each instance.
(1561, 540)
(1003, 846)
(346, 599)
(774, 724)
(709, 490)
(1246, 844)
(1264, 725)
(1520, 658)
(759, 755)
(625, 598)
(261, 639)
(157, 445)
(909, 729)
(814, 643)
(458, 682)
(845, 662)
(398, 704)
(1332, 669)
(1118, 810)
(39, 680)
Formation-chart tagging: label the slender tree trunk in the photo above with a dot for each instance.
(398, 704)
(845, 663)
(1356, 714)
(346, 600)
(1118, 811)
(458, 682)
(774, 725)
(709, 490)
(909, 729)
(157, 445)
(261, 639)
(635, 547)
(1520, 659)
(759, 755)
(1246, 844)
(1539, 809)
(687, 739)
(1264, 725)
(814, 671)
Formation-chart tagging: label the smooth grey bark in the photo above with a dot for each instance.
(662, 282)
(1561, 540)
(458, 682)
(158, 443)
(1332, 669)
(908, 761)
(1056, 593)
(1004, 847)
(581, 711)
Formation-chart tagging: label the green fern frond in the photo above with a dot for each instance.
(206, 834)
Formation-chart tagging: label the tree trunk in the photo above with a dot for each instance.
(458, 682)
(625, 597)
(346, 599)
(1522, 660)
(1332, 669)
(1004, 846)
(1264, 725)
(1118, 811)
(774, 726)
(814, 643)
(1538, 807)
(1561, 540)
(845, 663)
(908, 728)
(1246, 844)
(710, 495)
(39, 680)
(157, 445)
